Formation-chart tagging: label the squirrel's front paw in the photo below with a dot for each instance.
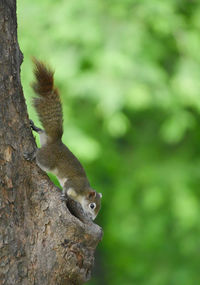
(30, 156)
(63, 197)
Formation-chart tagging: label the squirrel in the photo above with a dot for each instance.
(54, 156)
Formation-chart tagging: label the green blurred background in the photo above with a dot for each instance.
(129, 76)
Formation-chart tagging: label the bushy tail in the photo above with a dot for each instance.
(47, 104)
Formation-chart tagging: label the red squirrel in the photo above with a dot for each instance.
(54, 156)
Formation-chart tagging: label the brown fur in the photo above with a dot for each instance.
(48, 104)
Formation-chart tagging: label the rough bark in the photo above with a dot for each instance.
(41, 241)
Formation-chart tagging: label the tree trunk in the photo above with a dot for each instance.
(41, 241)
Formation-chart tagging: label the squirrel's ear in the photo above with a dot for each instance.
(100, 194)
(92, 194)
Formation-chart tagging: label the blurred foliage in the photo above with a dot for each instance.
(129, 75)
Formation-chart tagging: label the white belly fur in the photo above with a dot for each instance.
(55, 172)
(43, 138)
(61, 180)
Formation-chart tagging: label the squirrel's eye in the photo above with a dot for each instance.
(92, 206)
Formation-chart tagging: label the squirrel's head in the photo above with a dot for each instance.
(92, 203)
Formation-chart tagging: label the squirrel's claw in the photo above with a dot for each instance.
(30, 156)
(34, 128)
(63, 197)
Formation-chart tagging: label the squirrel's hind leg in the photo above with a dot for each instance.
(30, 156)
(34, 128)
(42, 134)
